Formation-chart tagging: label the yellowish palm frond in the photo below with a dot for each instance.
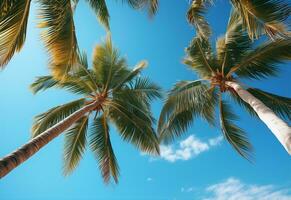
(13, 25)
(59, 35)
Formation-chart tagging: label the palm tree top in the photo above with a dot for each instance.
(123, 100)
(258, 16)
(56, 18)
(235, 58)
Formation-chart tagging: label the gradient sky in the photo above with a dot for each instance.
(211, 171)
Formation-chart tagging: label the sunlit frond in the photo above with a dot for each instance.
(101, 10)
(72, 84)
(100, 144)
(134, 123)
(234, 135)
(75, 145)
(59, 35)
(187, 100)
(196, 17)
(131, 75)
(231, 47)
(107, 65)
(263, 61)
(47, 119)
(13, 25)
(279, 104)
(263, 16)
(199, 57)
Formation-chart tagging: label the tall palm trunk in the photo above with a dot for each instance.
(17, 157)
(279, 128)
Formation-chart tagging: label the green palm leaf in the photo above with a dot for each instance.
(232, 47)
(59, 35)
(75, 145)
(134, 123)
(234, 135)
(195, 16)
(262, 61)
(263, 16)
(54, 115)
(100, 144)
(72, 84)
(280, 105)
(101, 10)
(13, 25)
(199, 57)
(242, 103)
(187, 100)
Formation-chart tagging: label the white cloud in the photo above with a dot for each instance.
(188, 148)
(233, 189)
(190, 189)
(149, 179)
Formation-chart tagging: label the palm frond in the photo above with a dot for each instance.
(70, 83)
(75, 145)
(54, 115)
(13, 25)
(101, 10)
(233, 45)
(195, 16)
(242, 103)
(234, 135)
(261, 62)
(134, 123)
(279, 104)
(187, 100)
(141, 88)
(263, 16)
(199, 57)
(107, 65)
(100, 144)
(43, 83)
(131, 75)
(59, 35)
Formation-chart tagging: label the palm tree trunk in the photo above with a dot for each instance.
(279, 128)
(20, 155)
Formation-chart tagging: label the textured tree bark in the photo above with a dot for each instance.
(20, 155)
(278, 127)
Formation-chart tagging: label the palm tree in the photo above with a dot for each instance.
(259, 17)
(111, 93)
(59, 30)
(221, 73)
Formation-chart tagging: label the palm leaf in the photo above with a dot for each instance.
(195, 16)
(54, 115)
(233, 45)
(134, 124)
(261, 62)
(263, 16)
(13, 25)
(75, 145)
(132, 74)
(59, 35)
(101, 10)
(187, 100)
(199, 57)
(242, 103)
(100, 144)
(280, 105)
(70, 83)
(234, 135)
(107, 65)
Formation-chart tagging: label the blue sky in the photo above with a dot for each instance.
(210, 171)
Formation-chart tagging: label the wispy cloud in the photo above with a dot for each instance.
(149, 179)
(232, 189)
(188, 148)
